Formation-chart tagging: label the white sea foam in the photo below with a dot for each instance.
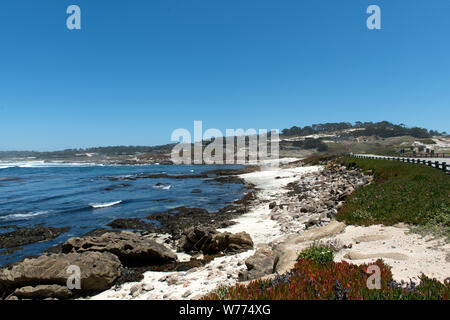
(104, 205)
(162, 187)
(21, 216)
(43, 164)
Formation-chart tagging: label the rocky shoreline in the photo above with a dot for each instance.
(135, 252)
(189, 251)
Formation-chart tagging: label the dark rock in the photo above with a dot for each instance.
(209, 241)
(232, 172)
(129, 223)
(175, 221)
(99, 232)
(23, 236)
(230, 179)
(272, 205)
(196, 191)
(129, 275)
(117, 186)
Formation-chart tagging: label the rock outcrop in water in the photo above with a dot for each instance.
(23, 236)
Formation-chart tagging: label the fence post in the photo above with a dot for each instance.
(429, 163)
(436, 164)
(444, 166)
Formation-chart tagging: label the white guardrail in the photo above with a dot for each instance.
(444, 164)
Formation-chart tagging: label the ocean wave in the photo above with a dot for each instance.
(104, 205)
(162, 187)
(22, 216)
(43, 164)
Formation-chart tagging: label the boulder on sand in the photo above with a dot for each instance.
(130, 248)
(98, 271)
(210, 241)
(262, 263)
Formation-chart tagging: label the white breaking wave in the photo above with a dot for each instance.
(162, 187)
(104, 205)
(43, 164)
(20, 216)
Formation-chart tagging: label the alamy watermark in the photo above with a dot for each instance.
(74, 279)
(73, 22)
(235, 147)
(374, 281)
(374, 20)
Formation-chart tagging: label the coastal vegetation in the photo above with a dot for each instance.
(401, 192)
(317, 252)
(313, 279)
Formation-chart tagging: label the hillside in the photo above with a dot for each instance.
(318, 139)
(376, 138)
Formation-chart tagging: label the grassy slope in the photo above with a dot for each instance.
(401, 192)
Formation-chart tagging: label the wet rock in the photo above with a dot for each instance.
(196, 191)
(175, 221)
(117, 186)
(230, 179)
(131, 249)
(129, 223)
(23, 236)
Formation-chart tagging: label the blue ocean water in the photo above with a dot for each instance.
(86, 197)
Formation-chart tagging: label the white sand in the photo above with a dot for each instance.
(416, 255)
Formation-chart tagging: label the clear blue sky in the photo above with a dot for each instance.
(140, 69)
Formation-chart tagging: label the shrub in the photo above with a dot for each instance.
(318, 252)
